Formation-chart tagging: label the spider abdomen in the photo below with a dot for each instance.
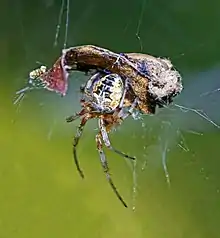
(106, 91)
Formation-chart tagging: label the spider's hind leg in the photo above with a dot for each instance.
(106, 168)
(107, 142)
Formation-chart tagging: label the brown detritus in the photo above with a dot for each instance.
(165, 81)
(153, 80)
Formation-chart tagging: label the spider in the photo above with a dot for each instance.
(103, 98)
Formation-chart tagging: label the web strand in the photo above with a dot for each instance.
(199, 113)
(67, 23)
(164, 163)
(139, 25)
(67, 3)
(59, 23)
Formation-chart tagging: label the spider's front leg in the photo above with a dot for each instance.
(79, 131)
(106, 168)
(76, 115)
(76, 142)
(76, 139)
(79, 114)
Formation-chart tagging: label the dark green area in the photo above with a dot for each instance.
(41, 194)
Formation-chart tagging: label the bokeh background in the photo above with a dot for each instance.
(41, 194)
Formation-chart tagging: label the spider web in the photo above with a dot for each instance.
(192, 112)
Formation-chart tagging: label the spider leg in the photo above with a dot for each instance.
(107, 142)
(76, 142)
(76, 115)
(106, 168)
(124, 93)
(122, 114)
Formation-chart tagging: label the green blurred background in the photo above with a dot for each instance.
(41, 194)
